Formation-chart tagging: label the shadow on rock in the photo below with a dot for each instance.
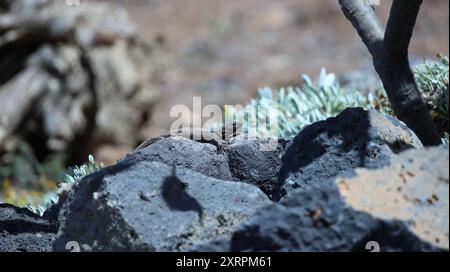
(354, 138)
(175, 196)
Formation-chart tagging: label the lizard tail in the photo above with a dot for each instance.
(148, 142)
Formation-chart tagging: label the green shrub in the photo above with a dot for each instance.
(317, 100)
(73, 174)
(301, 106)
(78, 172)
(26, 181)
(432, 80)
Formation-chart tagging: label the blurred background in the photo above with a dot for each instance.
(100, 77)
(224, 51)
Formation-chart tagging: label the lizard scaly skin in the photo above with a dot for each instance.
(215, 137)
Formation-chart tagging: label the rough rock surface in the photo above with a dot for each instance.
(251, 164)
(362, 188)
(143, 206)
(199, 157)
(414, 188)
(243, 159)
(73, 76)
(402, 207)
(22, 230)
(354, 138)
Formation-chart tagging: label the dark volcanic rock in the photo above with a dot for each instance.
(22, 230)
(251, 164)
(401, 207)
(142, 205)
(199, 157)
(243, 160)
(414, 188)
(316, 219)
(355, 138)
(350, 185)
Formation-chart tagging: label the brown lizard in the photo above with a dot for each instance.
(216, 137)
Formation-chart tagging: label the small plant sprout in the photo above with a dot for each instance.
(72, 175)
(78, 172)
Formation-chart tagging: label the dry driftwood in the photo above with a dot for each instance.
(74, 75)
(17, 99)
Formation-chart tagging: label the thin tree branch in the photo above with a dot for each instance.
(365, 21)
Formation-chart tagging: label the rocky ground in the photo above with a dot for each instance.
(354, 182)
(92, 79)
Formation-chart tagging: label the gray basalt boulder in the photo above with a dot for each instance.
(144, 206)
(243, 159)
(251, 163)
(199, 157)
(401, 207)
(354, 138)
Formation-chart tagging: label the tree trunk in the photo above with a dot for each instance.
(389, 49)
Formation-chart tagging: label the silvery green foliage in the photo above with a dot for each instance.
(47, 201)
(432, 80)
(72, 175)
(297, 107)
(78, 172)
(446, 139)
